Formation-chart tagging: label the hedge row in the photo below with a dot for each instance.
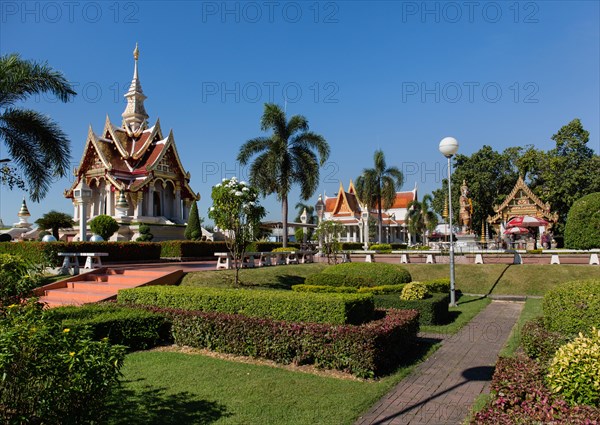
(277, 305)
(432, 311)
(135, 328)
(180, 249)
(369, 350)
(364, 274)
(375, 290)
(573, 307)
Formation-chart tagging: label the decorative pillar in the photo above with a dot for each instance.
(150, 204)
(177, 209)
(186, 209)
(138, 206)
(109, 200)
(75, 211)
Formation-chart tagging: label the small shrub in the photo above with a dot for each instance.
(135, 328)
(351, 246)
(104, 225)
(432, 311)
(382, 289)
(582, 230)
(538, 342)
(371, 274)
(145, 234)
(326, 289)
(193, 230)
(575, 370)
(441, 285)
(573, 307)
(324, 279)
(17, 279)
(414, 291)
(191, 249)
(381, 247)
(278, 305)
(368, 350)
(286, 249)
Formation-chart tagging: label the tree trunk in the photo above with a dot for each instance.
(284, 213)
(379, 215)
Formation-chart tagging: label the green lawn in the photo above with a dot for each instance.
(522, 279)
(178, 388)
(532, 309)
(468, 307)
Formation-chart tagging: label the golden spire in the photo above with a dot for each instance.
(136, 52)
(483, 232)
(445, 213)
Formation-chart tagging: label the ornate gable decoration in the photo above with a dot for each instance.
(522, 201)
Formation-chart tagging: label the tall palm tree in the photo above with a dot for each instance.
(34, 141)
(285, 158)
(420, 217)
(376, 187)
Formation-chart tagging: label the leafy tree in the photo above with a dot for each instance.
(376, 187)
(237, 212)
(193, 230)
(291, 155)
(420, 217)
(54, 221)
(104, 225)
(329, 232)
(34, 141)
(582, 230)
(145, 234)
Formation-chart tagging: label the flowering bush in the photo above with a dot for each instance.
(575, 370)
(51, 374)
(237, 211)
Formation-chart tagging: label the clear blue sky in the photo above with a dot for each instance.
(398, 76)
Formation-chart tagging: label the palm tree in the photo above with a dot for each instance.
(376, 187)
(285, 158)
(34, 141)
(420, 217)
(54, 221)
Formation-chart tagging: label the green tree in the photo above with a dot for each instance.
(54, 221)
(329, 232)
(34, 141)
(193, 230)
(420, 217)
(145, 234)
(290, 155)
(237, 212)
(104, 225)
(376, 187)
(582, 230)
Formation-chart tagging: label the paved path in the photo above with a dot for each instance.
(442, 389)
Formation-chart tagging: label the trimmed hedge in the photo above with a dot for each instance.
(46, 252)
(369, 350)
(582, 230)
(432, 311)
(370, 274)
(440, 285)
(573, 307)
(138, 329)
(324, 289)
(351, 246)
(382, 289)
(540, 343)
(322, 279)
(278, 305)
(179, 249)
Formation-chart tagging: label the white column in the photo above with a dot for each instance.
(138, 207)
(82, 222)
(110, 197)
(150, 204)
(75, 212)
(177, 210)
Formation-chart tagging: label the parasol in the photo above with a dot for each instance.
(526, 221)
(516, 231)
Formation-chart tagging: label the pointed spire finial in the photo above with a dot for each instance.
(136, 52)
(135, 116)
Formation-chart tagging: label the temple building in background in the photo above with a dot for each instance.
(135, 173)
(347, 209)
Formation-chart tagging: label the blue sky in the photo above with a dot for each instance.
(398, 76)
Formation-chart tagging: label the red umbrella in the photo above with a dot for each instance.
(526, 221)
(516, 231)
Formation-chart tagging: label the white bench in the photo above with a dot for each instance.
(224, 260)
(71, 260)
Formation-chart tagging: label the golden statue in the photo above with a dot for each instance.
(466, 208)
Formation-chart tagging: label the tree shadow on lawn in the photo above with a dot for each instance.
(152, 405)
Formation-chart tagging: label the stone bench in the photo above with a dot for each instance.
(71, 260)
(265, 259)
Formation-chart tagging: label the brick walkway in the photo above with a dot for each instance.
(442, 389)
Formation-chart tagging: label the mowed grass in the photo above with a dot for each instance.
(505, 279)
(275, 277)
(531, 309)
(178, 388)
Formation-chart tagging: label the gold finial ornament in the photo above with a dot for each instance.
(136, 52)
(445, 213)
(483, 235)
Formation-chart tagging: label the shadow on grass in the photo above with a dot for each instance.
(498, 280)
(152, 405)
(286, 281)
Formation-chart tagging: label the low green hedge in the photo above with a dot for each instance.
(538, 342)
(432, 311)
(368, 350)
(138, 329)
(369, 274)
(382, 289)
(573, 307)
(440, 285)
(351, 246)
(46, 252)
(278, 305)
(381, 247)
(198, 249)
(324, 289)
(322, 279)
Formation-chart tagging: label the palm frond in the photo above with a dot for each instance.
(252, 147)
(297, 123)
(273, 118)
(312, 140)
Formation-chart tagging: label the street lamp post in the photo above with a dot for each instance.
(448, 147)
(320, 209)
(304, 219)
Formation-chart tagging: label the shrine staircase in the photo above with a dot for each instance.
(102, 284)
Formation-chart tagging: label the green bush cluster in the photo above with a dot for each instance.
(414, 291)
(191, 249)
(51, 374)
(370, 274)
(540, 343)
(582, 230)
(381, 247)
(132, 327)
(324, 279)
(573, 307)
(145, 234)
(324, 289)
(440, 285)
(17, 279)
(382, 289)
(575, 370)
(104, 226)
(432, 311)
(286, 249)
(278, 305)
(351, 246)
